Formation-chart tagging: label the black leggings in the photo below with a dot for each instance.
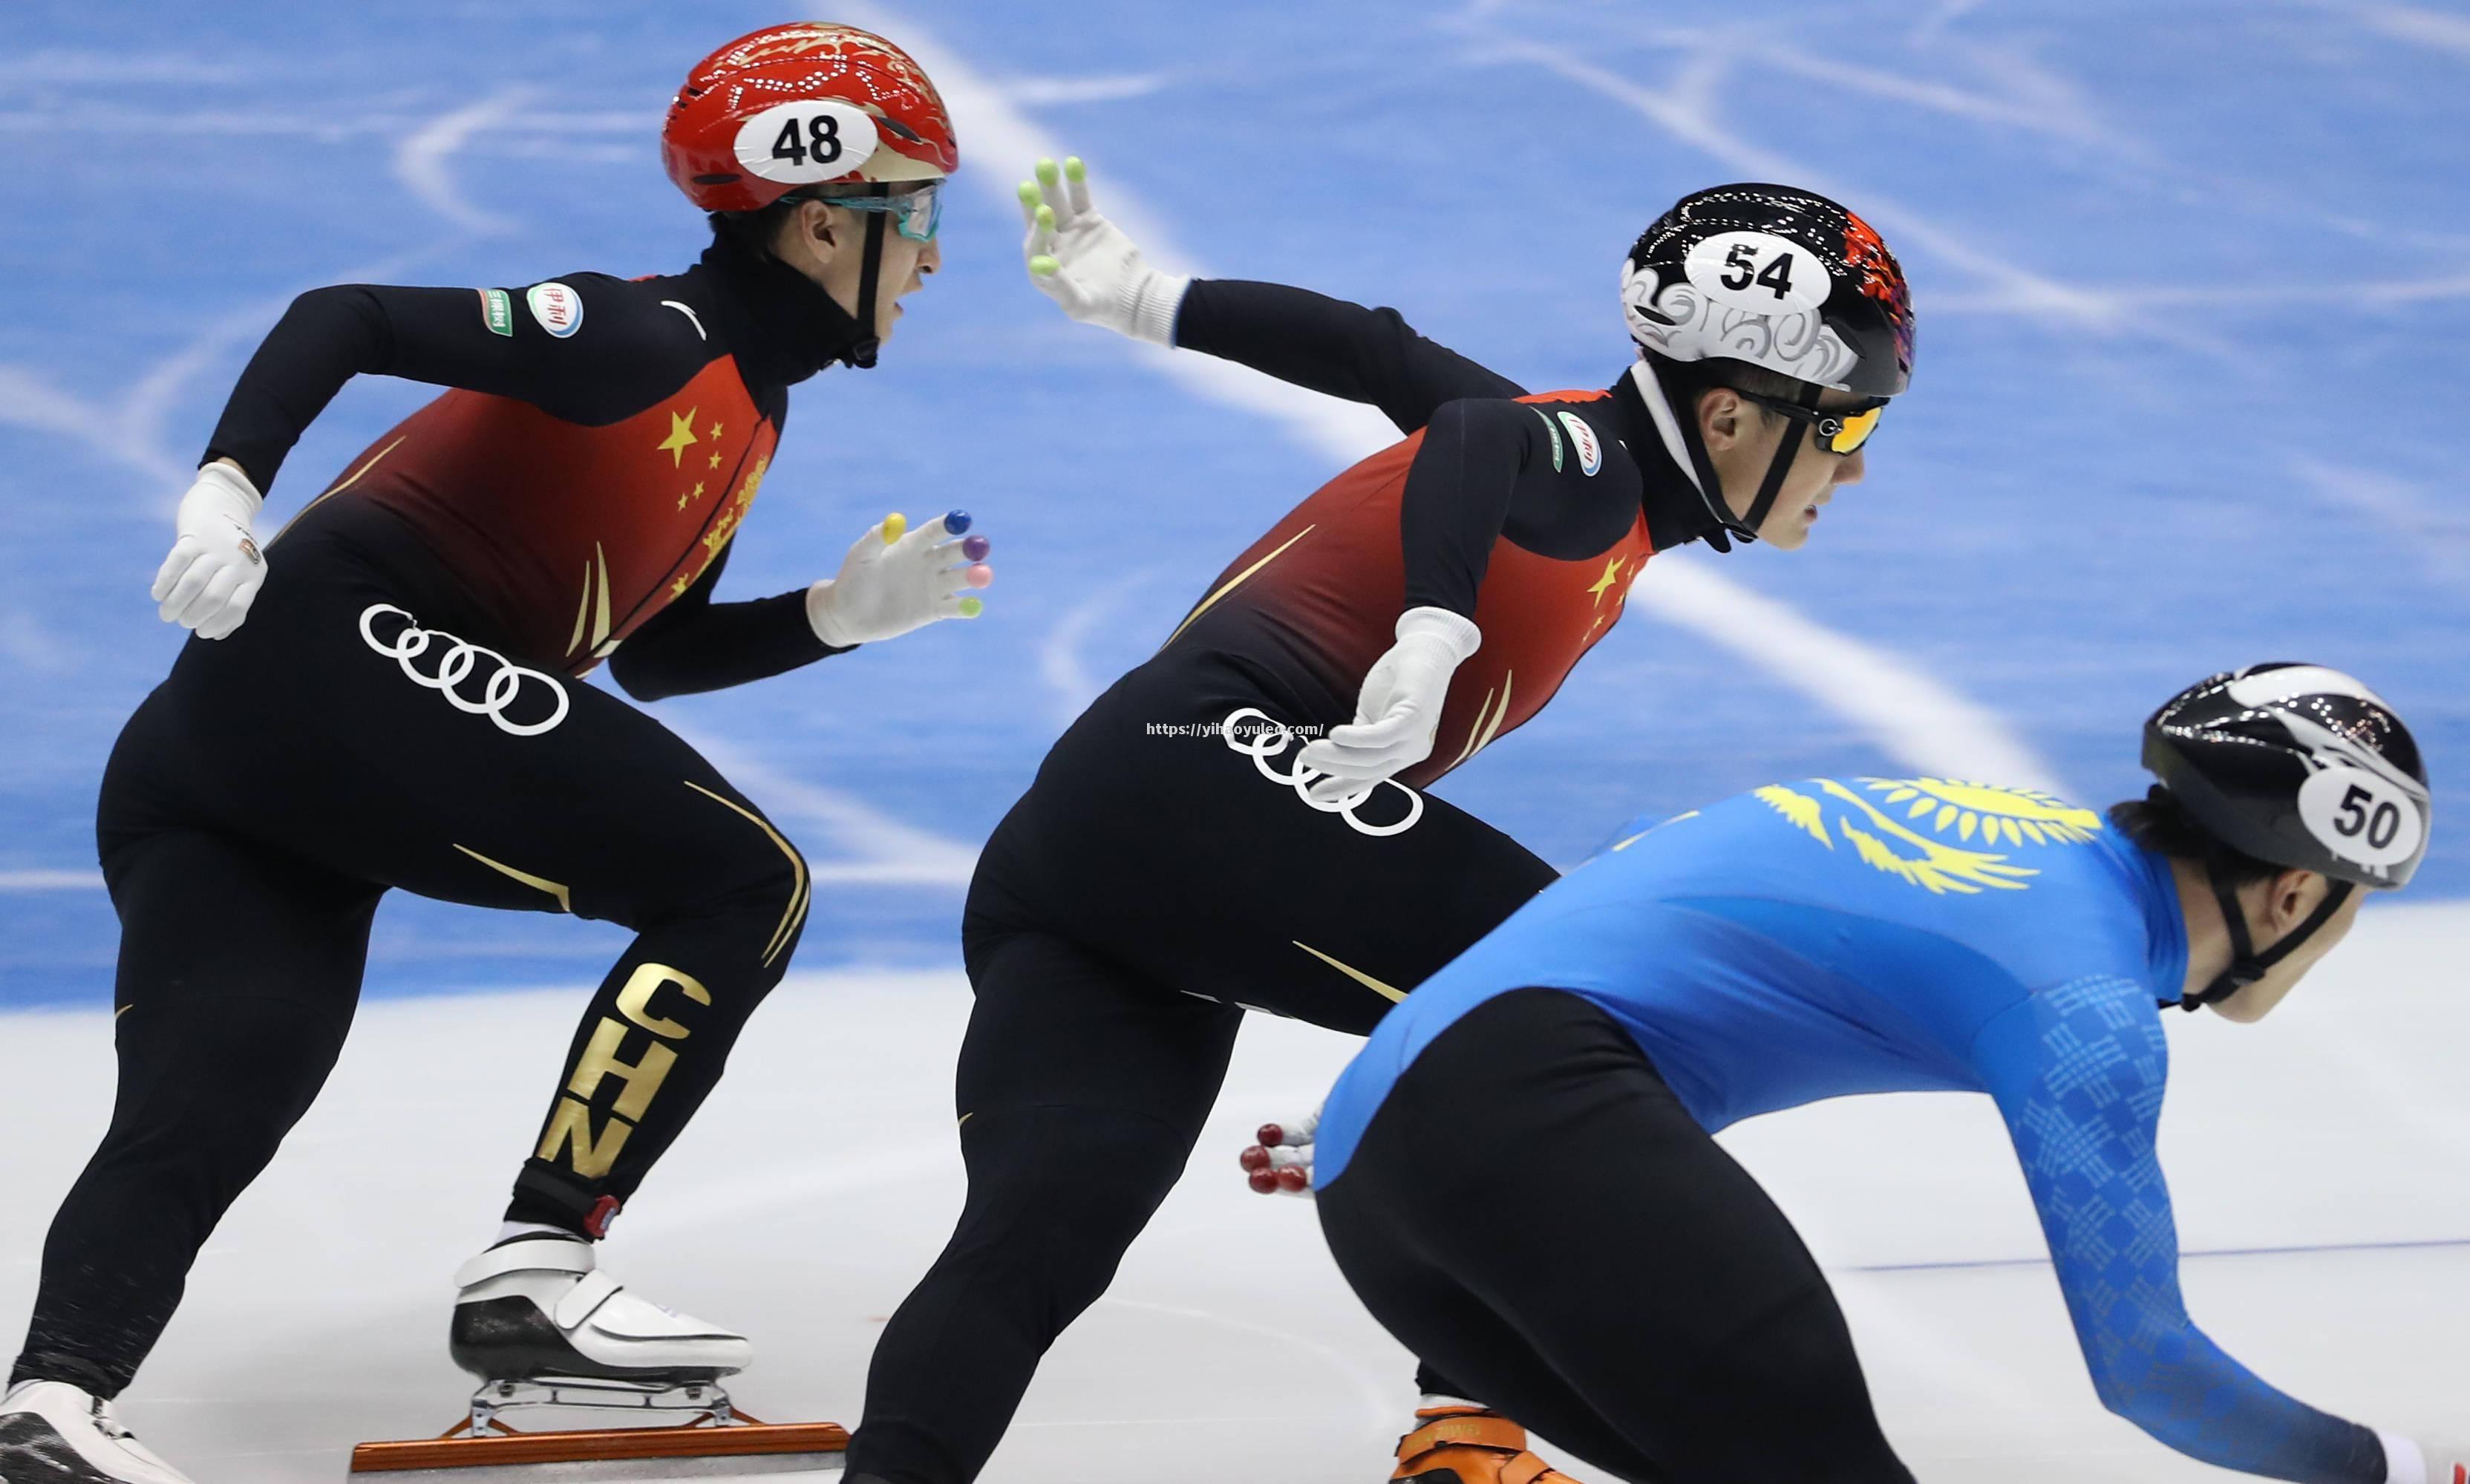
(1147, 888)
(254, 810)
(1534, 1211)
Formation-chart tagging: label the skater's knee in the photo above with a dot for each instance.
(1077, 1182)
(210, 1084)
(1798, 1362)
(745, 872)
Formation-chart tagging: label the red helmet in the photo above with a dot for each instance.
(808, 105)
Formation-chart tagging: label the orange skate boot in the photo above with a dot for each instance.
(1469, 1445)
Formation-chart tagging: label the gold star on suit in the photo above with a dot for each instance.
(1612, 574)
(681, 433)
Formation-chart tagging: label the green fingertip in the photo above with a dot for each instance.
(1028, 193)
(1044, 267)
(1073, 168)
(1046, 216)
(1046, 171)
(970, 607)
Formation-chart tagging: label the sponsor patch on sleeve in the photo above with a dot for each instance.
(559, 309)
(1556, 438)
(1582, 438)
(497, 312)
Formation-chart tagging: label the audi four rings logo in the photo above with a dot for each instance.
(456, 664)
(1274, 736)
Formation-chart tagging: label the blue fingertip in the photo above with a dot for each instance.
(957, 523)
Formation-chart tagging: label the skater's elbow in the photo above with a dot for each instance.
(2130, 1393)
(641, 672)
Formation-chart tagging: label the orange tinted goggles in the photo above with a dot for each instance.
(1837, 429)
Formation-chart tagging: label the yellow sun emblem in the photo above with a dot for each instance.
(1997, 815)
(2016, 814)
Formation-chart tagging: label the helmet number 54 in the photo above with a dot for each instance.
(1741, 269)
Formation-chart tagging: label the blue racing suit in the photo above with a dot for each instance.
(1829, 936)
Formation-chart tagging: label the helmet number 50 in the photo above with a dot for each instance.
(2361, 816)
(2380, 824)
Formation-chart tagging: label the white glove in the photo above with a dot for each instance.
(1398, 707)
(2431, 1462)
(1281, 1162)
(215, 568)
(891, 582)
(1084, 261)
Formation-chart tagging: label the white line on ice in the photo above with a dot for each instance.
(422, 161)
(2382, 293)
(881, 849)
(1913, 716)
(1915, 719)
(29, 401)
(1059, 657)
(2437, 531)
(50, 881)
(2409, 23)
(1074, 90)
(131, 433)
(1686, 117)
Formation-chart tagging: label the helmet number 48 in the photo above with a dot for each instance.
(1741, 269)
(808, 142)
(821, 138)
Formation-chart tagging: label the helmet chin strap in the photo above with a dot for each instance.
(2246, 965)
(861, 353)
(1777, 468)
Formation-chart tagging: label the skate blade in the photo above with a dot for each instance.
(607, 1453)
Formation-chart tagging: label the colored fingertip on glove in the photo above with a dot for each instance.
(979, 575)
(895, 525)
(958, 522)
(970, 607)
(976, 547)
(1028, 193)
(1047, 174)
(1074, 170)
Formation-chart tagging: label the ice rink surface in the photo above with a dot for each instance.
(2194, 284)
(2315, 1161)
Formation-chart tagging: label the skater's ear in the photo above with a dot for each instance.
(1725, 418)
(817, 230)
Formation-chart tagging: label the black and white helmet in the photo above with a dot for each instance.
(2299, 766)
(1769, 276)
(1775, 277)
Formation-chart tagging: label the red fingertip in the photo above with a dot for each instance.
(1293, 1179)
(1271, 1133)
(1256, 1158)
(1264, 1181)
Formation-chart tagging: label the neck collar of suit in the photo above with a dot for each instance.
(1672, 464)
(787, 328)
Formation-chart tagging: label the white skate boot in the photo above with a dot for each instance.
(540, 1325)
(53, 1433)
